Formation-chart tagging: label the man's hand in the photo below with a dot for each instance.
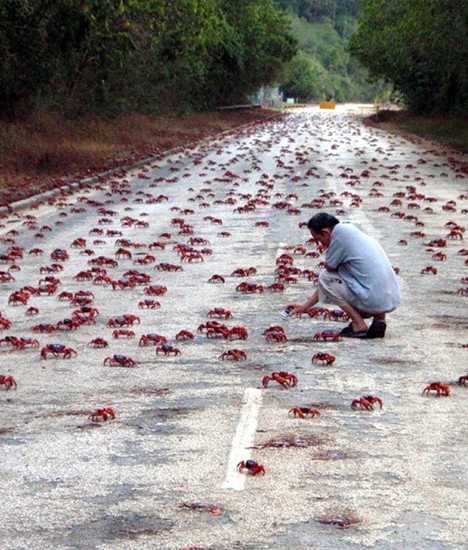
(296, 309)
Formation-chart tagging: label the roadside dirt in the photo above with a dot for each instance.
(46, 151)
(450, 132)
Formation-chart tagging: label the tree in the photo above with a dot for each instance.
(306, 79)
(109, 56)
(419, 45)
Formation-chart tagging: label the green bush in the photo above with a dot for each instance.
(306, 79)
(110, 56)
(421, 46)
(324, 50)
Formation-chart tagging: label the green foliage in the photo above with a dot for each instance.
(306, 78)
(419, 45)
(325, 50)
(318, 10)
(148, 55)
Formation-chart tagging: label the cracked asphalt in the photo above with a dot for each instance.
(153, 477)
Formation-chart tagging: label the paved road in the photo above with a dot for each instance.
(162, 475)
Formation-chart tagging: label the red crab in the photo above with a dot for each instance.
(238, 333)
(366, 402)
(463, 380)
(216, 279)
(155, 290)
(167, 350)
(8, 382)
(120, 361)
(437, 243)
(53, 268)
(184, 335)
(233, 355)
(70, 324)
(126, 320)
(191, 257)
(59, 255)
(303, 412)
(170, 268)
(273, 329)
(249, 288)
(327, 336)
(44, 328)
(102, 415)
(19, 343)
(251, 466)
(275, 336)
(441, 390)
(157, 244)
(123, 285)
(5, 324)
(276, 287)
(216, 331)
(58, 350)
(6, 277)
(36, 252)
(323, 359)
(149, 304)
(285, 379)
(123, 254)
(439, 256)
(220, 313)
(79, 243)
(145, 260)
(123, 333)
(244, 272)
(152, 340)
(455, 234)
(429, 269)
(18, 298)
(98, 343)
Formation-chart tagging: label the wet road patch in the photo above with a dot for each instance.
(294, 441)
(342, 520)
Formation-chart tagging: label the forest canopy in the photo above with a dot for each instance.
(323, 65)
(113, 56)
(421, 46)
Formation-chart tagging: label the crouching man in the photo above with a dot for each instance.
(358, 277)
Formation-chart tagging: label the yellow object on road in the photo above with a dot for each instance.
(327, 105)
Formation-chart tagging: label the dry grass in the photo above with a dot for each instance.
(448, 130)
(39, 153)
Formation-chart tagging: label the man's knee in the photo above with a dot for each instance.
(326, 280)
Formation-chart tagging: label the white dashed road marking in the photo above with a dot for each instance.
(243, 438)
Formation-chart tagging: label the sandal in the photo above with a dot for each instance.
(347, 330)
(377, 329)
(355, 334)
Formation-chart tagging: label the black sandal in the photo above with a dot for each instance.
(347, 330)
(355, 334)
(377, 330)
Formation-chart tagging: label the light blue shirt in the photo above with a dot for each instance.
(364, 267)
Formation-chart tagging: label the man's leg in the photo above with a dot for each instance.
(334, 291)
(375, 316)
(378, 326)
(357, 321)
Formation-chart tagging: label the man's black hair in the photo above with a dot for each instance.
(320, 221)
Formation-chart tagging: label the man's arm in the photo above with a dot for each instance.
(336, 252)
(297, 309)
